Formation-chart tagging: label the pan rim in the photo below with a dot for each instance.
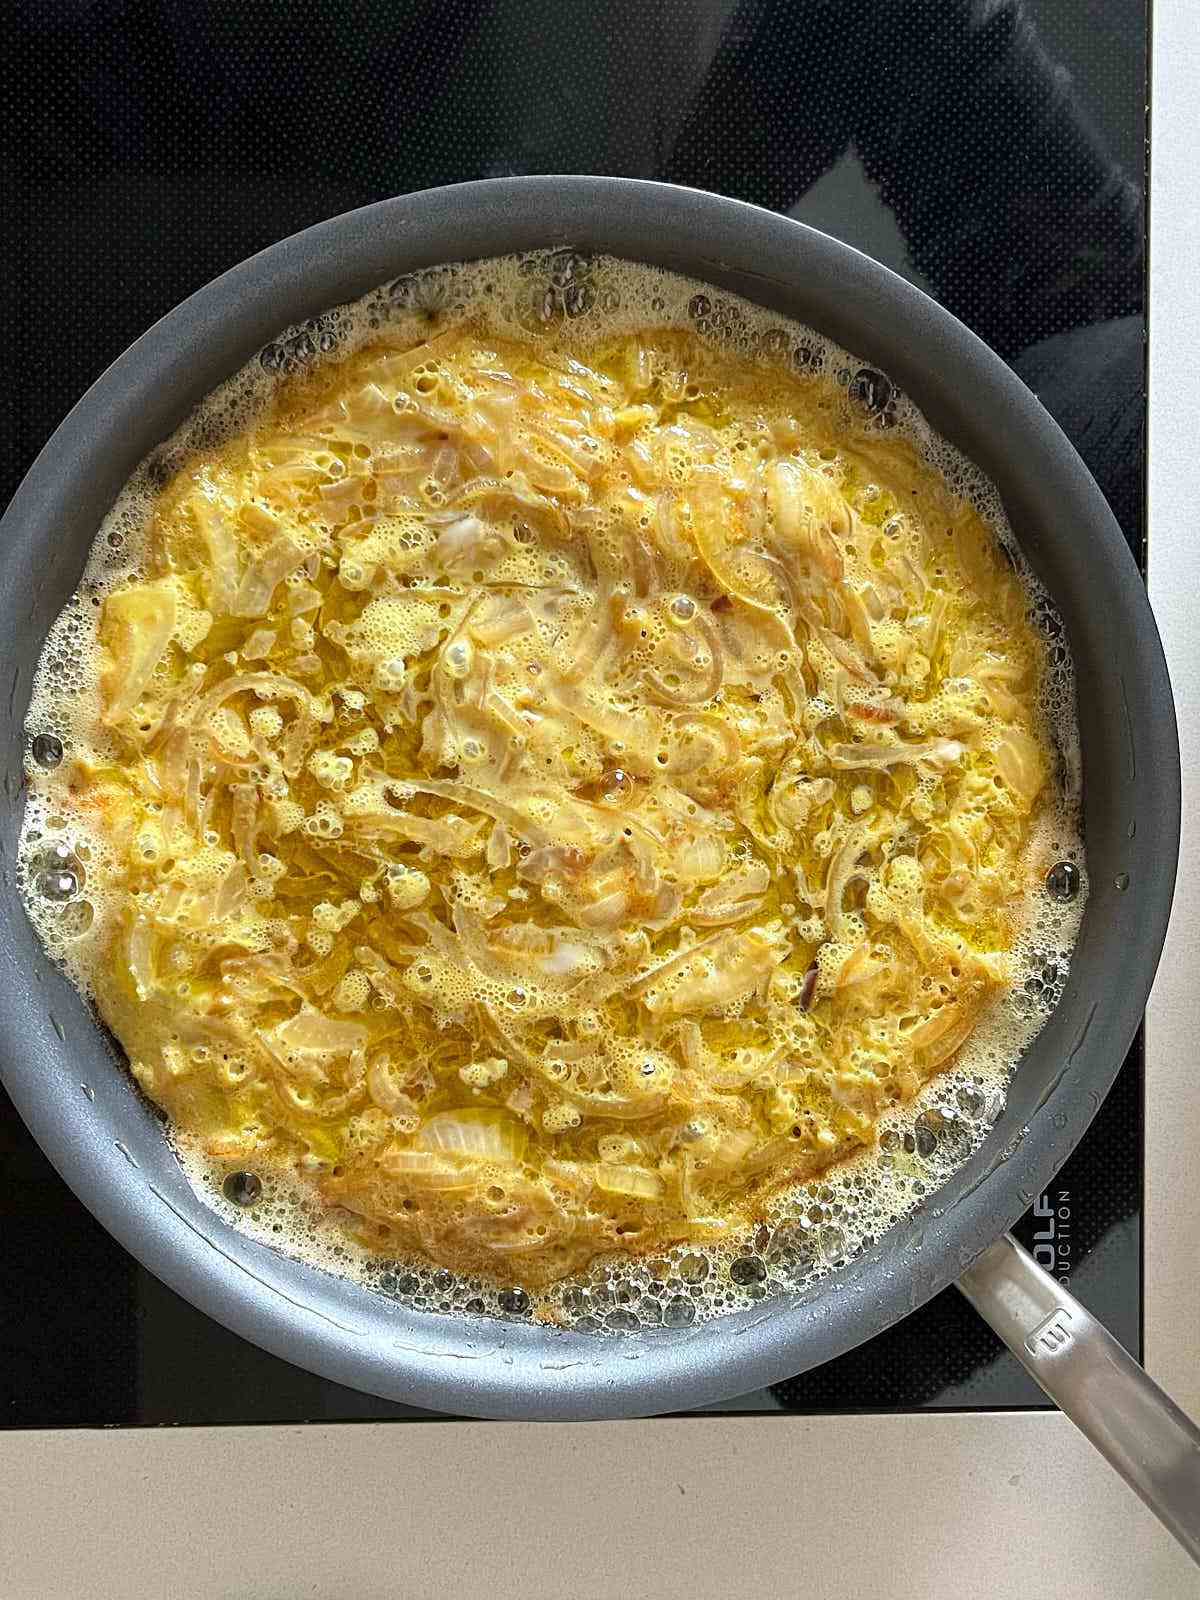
(516, 1370)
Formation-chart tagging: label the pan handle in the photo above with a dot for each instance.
(1094, 1381)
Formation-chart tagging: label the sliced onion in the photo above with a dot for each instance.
(861, 966)
(886, 712)
(943, 1035)
(710, 685)
(231, 893)
(444, 467)
(586, 463)
(510, 620)
(253, 597)
(244, 822)
(620, 1107)
(792, 801)
(808, 511)
(638, 1183)
(665, 967)
(386, 1093)
(467, 540)
(937, 753)
(732, 584)
(221, 577)
(266, 685)
(734, 898)
(594, 639)
(734, 1148)
(1020, 763)
(514, 489)
(138, 624)
(476, 1134)
(402, 363)
(428, 1169)
(607, 912)
(551, 860)
(383, 977)
(668, 536)
(298, 742)
(842, 650)
(467, 794)
(723, 744)
(499, 851)
(842, 869)
(140, 945)
(259, 645)
(856, 613)
(700, 859)
(457, 839)
(647, 578)
(312, 1030)
(567, 960)
(738, 965)
(663, 911)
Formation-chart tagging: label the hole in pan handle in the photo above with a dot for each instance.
(1094, 1381)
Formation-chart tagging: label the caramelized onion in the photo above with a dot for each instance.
(710, 686)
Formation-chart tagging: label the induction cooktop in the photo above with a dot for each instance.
(992, 151)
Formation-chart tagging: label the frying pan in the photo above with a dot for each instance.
(82, 1108)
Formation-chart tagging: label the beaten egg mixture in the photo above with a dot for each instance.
(554, 799)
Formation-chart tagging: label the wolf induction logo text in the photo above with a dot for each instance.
(1052, 1234)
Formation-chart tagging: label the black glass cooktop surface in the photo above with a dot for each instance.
(993, 151)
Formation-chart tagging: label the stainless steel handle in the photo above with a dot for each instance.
(1094, 1381)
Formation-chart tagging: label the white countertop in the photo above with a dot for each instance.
(1000, 1504)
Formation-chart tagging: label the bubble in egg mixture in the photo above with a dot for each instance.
(615, 753)
(47, 749)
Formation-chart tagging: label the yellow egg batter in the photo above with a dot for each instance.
(553, 795)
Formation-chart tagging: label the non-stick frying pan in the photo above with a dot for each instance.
(83, 1109)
